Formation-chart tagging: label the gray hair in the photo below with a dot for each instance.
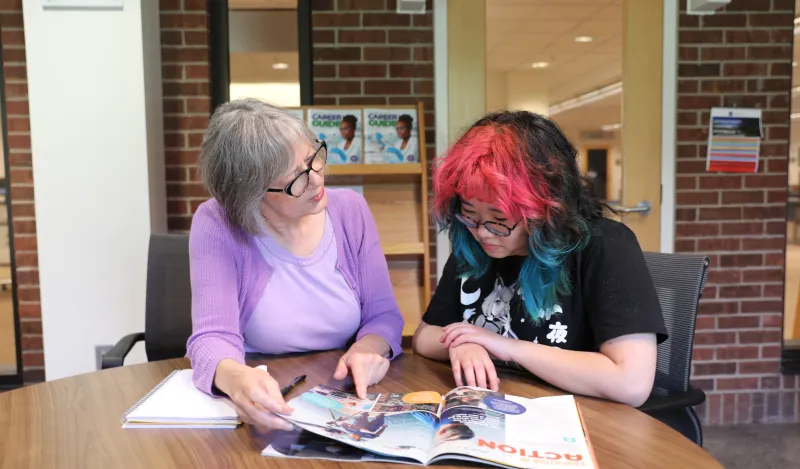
(248, 145)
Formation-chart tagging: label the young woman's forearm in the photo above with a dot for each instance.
(587, 373)
(427, 342)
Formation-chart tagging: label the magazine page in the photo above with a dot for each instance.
(511, 431)
(390, 136)
(341, 130)
(302, 444)
(398, 425)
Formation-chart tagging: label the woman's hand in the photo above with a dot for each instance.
(459, 333)
(256, 394)
(474, 363)
(365, 362)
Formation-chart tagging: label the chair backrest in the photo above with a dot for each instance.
(168, 307)
(679, 280)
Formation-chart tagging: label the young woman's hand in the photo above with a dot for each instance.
(255, 394)
(365, 362)
(461, 333)
(473, 363)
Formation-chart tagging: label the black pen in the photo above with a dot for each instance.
(288, 388)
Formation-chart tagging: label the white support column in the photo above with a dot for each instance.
(459, 38)
(669, 95)
(94, 80)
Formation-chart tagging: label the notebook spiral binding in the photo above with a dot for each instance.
(147, 396)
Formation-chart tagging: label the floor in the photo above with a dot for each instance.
(754, 446)
(792, 291)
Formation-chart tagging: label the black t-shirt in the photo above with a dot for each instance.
(612, 295)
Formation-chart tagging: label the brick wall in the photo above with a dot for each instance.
(187, 103)
(366, 54)
(741, 56)
(21, 178)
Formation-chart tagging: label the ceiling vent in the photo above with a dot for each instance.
(411, 7)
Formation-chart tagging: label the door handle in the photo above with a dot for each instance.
(644, 207)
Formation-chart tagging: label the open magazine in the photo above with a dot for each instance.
(467, 423)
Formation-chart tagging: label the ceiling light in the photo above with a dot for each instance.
(796, 115)
(592, 96)
(610, 127)
(280, 66)
(584, 39)
(540, 64)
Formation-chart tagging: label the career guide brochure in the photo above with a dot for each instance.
(384, 143)
(343, 148)
(421, 428)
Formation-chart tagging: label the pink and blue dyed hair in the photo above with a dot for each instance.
(522, 164)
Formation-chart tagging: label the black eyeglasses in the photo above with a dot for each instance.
(300, 183)
(492, 227)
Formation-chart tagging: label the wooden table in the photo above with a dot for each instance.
(75, 422)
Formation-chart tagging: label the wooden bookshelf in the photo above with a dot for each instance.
(397, 195)
(373, 169)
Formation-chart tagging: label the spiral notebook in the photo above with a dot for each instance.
(177, 403)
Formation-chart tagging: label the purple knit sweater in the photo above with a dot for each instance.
(228, 275)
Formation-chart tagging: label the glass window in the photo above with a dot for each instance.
(264, 59)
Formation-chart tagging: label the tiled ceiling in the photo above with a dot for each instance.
(521, 32)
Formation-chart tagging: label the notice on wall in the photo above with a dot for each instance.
(341, 130)
(391, 136)
(734, 140)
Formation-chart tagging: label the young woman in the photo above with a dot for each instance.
(539, 277)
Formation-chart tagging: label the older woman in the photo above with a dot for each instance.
(279, 264)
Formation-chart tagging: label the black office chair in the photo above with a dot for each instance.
(168, 306)
(679, 280)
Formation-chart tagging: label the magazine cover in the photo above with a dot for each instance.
(391, 136)
(424, 427)
(341, 129)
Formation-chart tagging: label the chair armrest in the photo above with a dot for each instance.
(114, 357)
(690, 398)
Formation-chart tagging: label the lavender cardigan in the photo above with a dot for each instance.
(228, 275)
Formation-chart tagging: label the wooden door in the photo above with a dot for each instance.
(641, 118)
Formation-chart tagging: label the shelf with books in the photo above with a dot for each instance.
(370, 142)
(399, 249)
(373, 169)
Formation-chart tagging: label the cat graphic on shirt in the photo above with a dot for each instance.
(495, 313)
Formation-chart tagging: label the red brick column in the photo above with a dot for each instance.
(740, 56)
(367, 54)
(23, 211)
(187, 104)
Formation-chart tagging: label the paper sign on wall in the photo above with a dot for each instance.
(734, 140)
